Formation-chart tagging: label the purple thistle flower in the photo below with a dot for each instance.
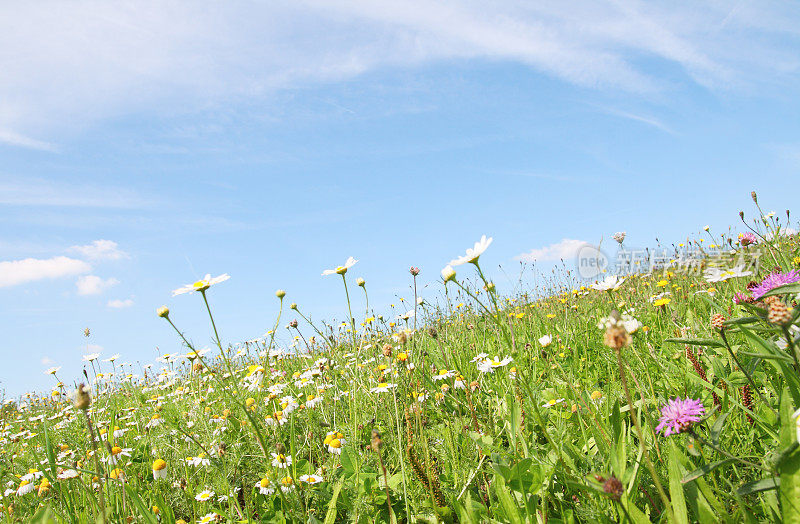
(774, 280)
(679, 415)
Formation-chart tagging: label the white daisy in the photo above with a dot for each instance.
(341, 270)
(201, 285)
(473, 253)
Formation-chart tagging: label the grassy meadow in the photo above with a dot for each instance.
(656, 396)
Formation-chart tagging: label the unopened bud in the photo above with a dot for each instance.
(754, 196)
(163, 312)
(779, 313)
(280, 293)
(717, 321)
(414, 271)
(293, 305)
(448, 273)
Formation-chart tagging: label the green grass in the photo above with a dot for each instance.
(564, 432)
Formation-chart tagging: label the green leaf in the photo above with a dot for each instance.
(784, 290)
(789, 467)
(143, 510)
(330, 515)
(506, 501)
(347, 462)
(699, 472)
(757, 486)
(716, 429)
(675, 487)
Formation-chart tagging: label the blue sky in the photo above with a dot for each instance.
(143, 148)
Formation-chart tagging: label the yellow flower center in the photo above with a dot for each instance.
(201, 285)
(159, 464)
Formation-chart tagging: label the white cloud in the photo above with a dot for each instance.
(15, 272)
(47, 361)
(120, 304)
(94, 285)
(67, 65)
(101, 250)
(565, 249)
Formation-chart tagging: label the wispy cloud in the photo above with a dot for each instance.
(15, 272)
(565, 249)
(15, 139)
(48, 193)
(644, 119)
(101, 250)
(66, 66)
(94, 285)
(119, 303)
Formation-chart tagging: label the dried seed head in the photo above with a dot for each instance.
(754, 196)
(433, 333)
(387, 350)
(613, 487)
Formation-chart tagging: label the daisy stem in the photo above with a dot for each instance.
(323, 337)
(275, 328)
(350, 311)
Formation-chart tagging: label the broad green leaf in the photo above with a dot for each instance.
(506, 501)
(675, 487)
(789, 467)
(757, 486)
(330, 515)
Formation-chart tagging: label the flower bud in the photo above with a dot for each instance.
(754, 196)
(163, 311)
(448, 273)
(361, 282)
(293, 305)
(414, 271)
(280, 293)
